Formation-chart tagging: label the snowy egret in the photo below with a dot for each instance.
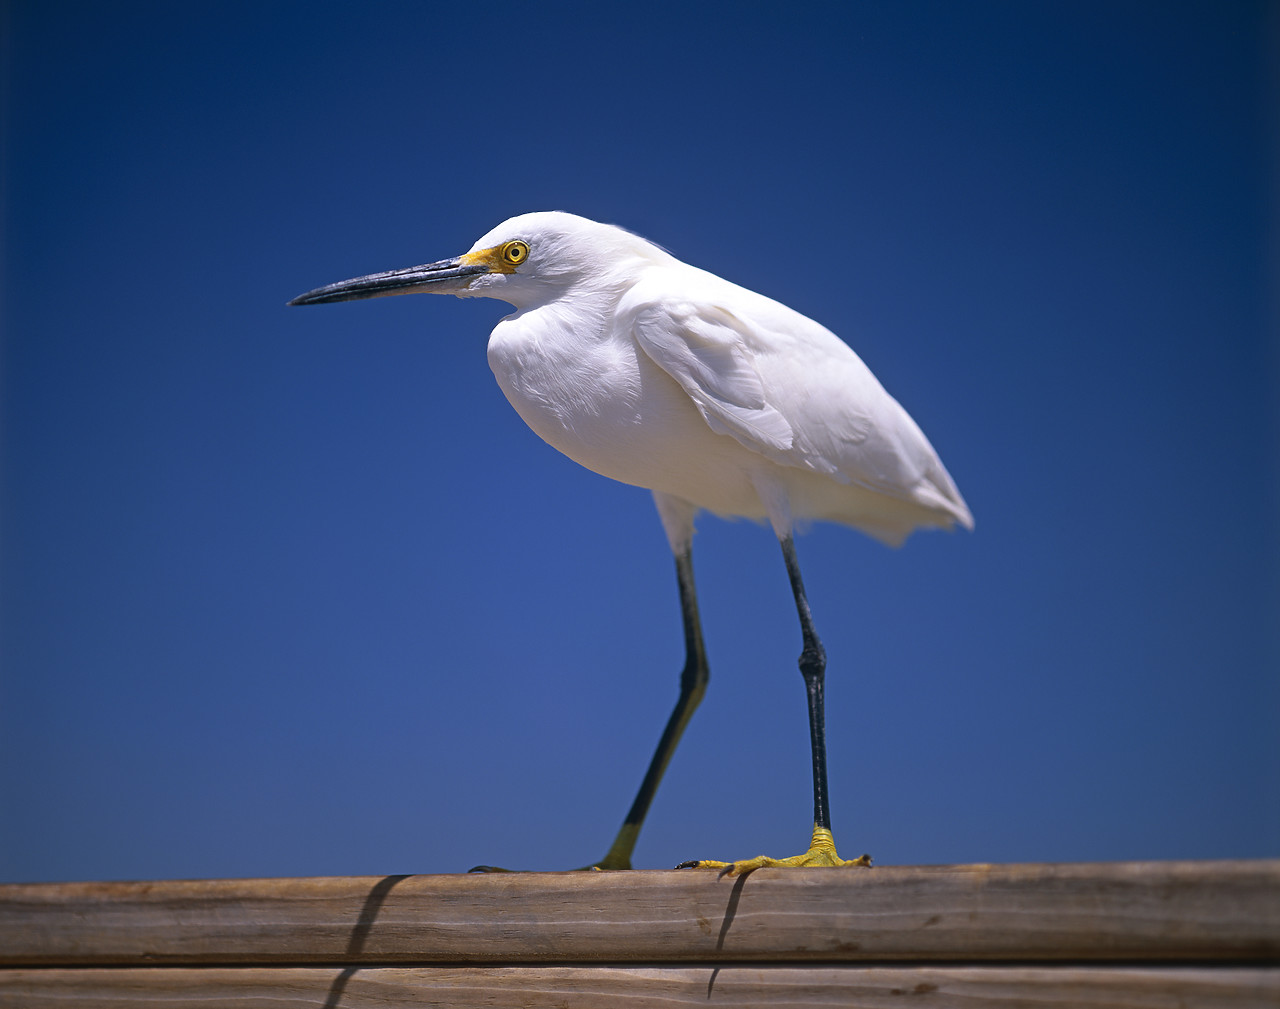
(664, 376)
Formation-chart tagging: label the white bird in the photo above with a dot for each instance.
(664, 376)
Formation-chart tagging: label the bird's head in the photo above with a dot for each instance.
(525, 261)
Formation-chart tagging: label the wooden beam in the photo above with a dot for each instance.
(606, 987)
(1091, 912)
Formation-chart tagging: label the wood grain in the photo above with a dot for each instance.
(603, 987)
(1088, 912)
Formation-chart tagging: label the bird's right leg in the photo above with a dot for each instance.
(693, 684)
(677, 520)
(813, 665)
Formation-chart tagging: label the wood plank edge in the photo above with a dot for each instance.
(617, 987)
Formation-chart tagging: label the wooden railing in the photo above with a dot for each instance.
(1194, 934)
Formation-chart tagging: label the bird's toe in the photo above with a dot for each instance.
(821, 854)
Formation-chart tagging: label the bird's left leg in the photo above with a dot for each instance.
(813, 666)
(693, 684)
(677, 519)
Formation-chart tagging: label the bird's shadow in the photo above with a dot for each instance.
(730, 911)
(378, 895)
(360, 935)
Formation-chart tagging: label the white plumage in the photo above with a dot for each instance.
(661, 375)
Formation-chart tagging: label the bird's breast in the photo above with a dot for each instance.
(563, 374)
(592, 394)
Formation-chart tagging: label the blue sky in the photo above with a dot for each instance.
(295, 592)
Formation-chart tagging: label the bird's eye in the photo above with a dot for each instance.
(515, 253)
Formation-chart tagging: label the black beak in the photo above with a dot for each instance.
(445, 277)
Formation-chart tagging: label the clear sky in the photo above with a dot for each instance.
(294, 591)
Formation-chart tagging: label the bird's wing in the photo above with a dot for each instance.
(700, 345)
(767, 376)
(785, 387)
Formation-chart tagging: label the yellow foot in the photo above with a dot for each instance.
(599, 867)
(821, 854)
(609, 863)
(617, 857)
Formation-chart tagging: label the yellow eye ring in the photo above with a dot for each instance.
(515, 252)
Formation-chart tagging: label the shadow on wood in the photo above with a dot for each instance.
(1150, 934)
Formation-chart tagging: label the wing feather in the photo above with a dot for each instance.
(787, 388)
(700, 346)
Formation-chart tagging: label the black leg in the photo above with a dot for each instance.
(693, 684)
(813, 667)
